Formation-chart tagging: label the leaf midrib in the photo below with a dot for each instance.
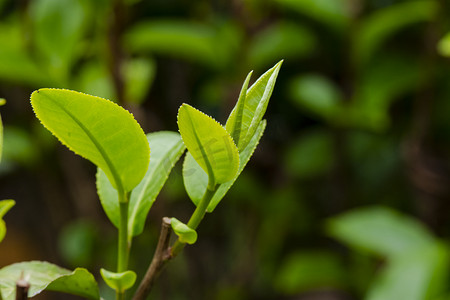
(102, 151)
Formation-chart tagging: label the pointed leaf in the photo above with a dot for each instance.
(167, 148)
(46, 276)
(5, 206)
(235, 128)
(119, 281)
(196, 180)
(209, 143)
(184, 232)
(97, 129)
(248, 115)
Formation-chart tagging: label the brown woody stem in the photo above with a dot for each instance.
(161, 257)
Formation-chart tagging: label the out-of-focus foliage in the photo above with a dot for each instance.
(359, 117)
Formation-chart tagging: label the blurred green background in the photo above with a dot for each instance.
(347, 195)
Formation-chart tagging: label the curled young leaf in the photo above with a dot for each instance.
(184, 232)
(249, 110)
(97, 129)
(209, 143)
(119, 281)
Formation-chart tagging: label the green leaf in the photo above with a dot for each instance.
(209, 143)
(207, 44)
(311, 155)
(5, 206)
(382, 82)
(167, 148)
(138, 76)
(380, 231)
(58, 27)
(444, 45)
(417, 274)
(46, 276)
(97, 129)
(16, 64)
(334, 13)
(196, 180)
(384, 23)
(304, 271)
(249, 110)
(119, 281)
(282, 39)
(184, 232)
(318, 95)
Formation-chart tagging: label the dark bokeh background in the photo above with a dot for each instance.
(347, 187)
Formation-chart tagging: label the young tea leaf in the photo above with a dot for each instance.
(167, 148)
(209, 143)
(119, 281)
(249, 110)
(184, 232)
(46, 276)
(5, 206)
(196, 180)
(97, 129)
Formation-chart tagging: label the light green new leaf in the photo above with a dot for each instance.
(167, 148)
(46, 276)
(97, 129)
(249, 110)
(5, 206)
(119, 281)
(196, 180)
(380, 231)
(184, 232)
(209, 143)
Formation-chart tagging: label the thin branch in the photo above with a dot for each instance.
(22, 287)
(161, 257)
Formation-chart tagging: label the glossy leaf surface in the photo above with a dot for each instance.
(196, 180)
(5, 206)
(209, 143)
(46, 276)
(184, 233)
(249, 110)
(97, 129)
(167, 148)
(119, 281)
